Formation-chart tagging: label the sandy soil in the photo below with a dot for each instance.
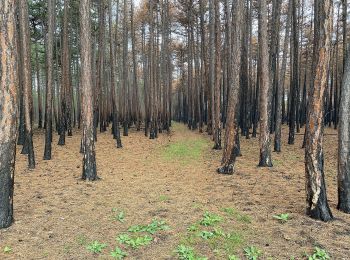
(57, 214)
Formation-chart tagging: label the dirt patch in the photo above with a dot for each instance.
(58, 215)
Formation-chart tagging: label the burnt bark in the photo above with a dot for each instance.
(344, 143)
(316, 196)
(89, 158)
(231, 146)
(27, 80)
(50, 79)
(8, 110)
(265, 140)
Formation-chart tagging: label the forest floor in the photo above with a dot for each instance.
(170, 189)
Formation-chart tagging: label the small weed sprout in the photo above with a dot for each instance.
(96, 247)
(252, 253)
(210, 219)
(118, 216)
(187, 253)
(118, 253)
(7, 249)
(319, 254)
(134, 242)
(283, 218)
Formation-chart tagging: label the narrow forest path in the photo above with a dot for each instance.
(172, 179)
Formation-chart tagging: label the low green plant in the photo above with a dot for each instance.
(283, 218)
(134, 242)
(233, 257)
(229, 211)
(239, 216)
(252, 253)
(163, 198)
(210, 219)
(152, 228)
(187, 253)
(192, 228)
(118, 253)
(96, 247)
(118, 216)
(206, 235)
(7, 249)
(319, 254)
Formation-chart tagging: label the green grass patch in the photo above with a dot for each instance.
(96, 247)
(241, 217)
(188, 253)
(135, 242)
(185, 151)
(164, 198)
(152, 228)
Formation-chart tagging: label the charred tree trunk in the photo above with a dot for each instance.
(8, 110)
(344, 143)
(265, 140)
(280, 85)
(217, 86)
(230, 148)
(27, 79)
(50, 79)
(295, 77)
(89, 160)
(115, 119)
(316, 196)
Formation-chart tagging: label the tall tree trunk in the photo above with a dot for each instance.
(50, 78)
(280, 85)
(211, 65)
(115, 119)
(265, 140)
(295, 77)
(217, 86)
(38, 85)
(125, 69)
(89, 160)
(316, 196)
(344, 143)
(27, 79)
(230, 145)
(8, 110)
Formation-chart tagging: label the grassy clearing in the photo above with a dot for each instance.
(185, 151)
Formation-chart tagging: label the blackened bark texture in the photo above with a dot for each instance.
(8, 110)
(50, 79)
(89, 159)
(204, 70)
(231, 134)
(316, 196)
(27, 79)
(211, 66)
(115, 120)
(273, 61)
(344, 18)
(66, 81)
(295, 75)
(217, 86)
(136, 100)
(265, 140)
(344, 143)
(38, 85)
(280, 85)
(65, 120)
(125, 67)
